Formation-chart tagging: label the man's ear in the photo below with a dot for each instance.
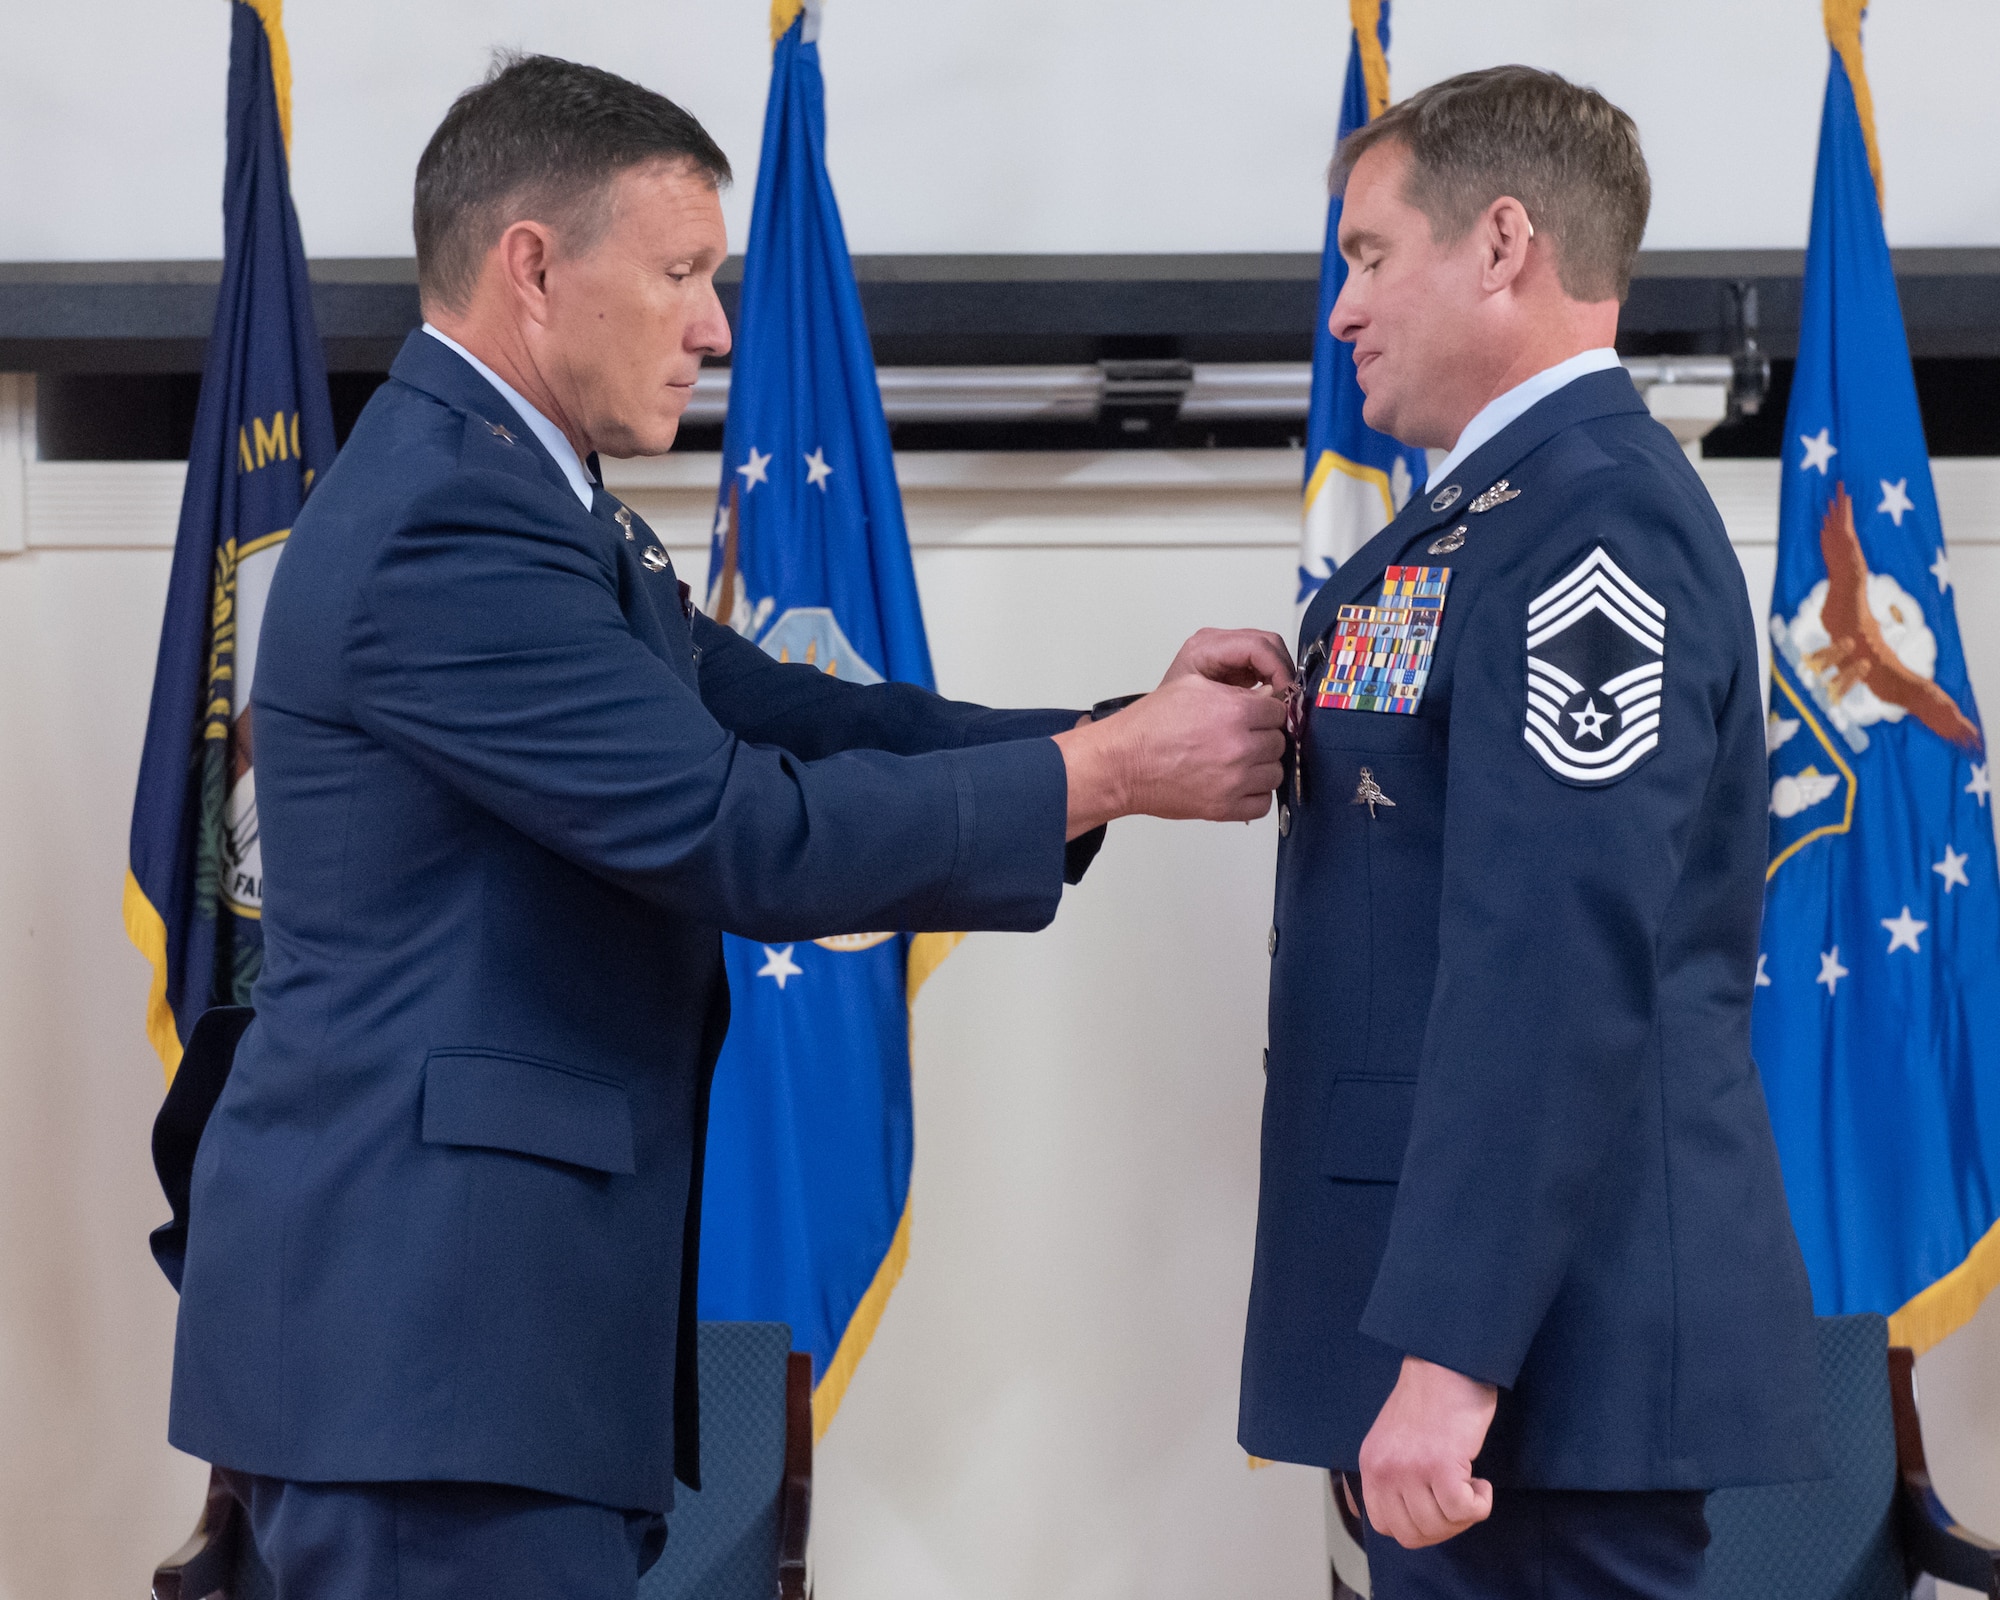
(523, 256)
(1504, 233)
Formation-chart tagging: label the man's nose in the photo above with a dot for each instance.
(1346, 320)
(708, 329)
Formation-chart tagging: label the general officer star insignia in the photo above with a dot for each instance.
(1596, 664)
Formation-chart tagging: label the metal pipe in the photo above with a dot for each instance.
(1649, 370)
(1217, 391)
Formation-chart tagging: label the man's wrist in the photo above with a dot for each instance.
(1441, 1376)
(1095, 769)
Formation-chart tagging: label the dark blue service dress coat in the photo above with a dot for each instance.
(1512, 1124)
(444, 1216)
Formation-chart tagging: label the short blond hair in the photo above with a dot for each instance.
(1565, 152)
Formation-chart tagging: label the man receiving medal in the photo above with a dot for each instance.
(1525, 1278)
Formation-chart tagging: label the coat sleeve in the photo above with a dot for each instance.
(803, 710)
(1542, 1030)
(489, 648)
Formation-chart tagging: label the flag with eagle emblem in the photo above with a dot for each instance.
(1877, 1018)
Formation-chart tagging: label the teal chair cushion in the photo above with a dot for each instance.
(1832, 1538)
(722, 1543)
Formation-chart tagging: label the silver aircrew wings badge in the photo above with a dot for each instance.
(1596, 658)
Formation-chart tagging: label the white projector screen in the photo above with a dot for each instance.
(1062, 126)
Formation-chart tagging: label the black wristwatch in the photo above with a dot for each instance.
(1105, 708)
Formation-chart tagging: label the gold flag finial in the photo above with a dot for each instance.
(1367, 15)
(1843, 32)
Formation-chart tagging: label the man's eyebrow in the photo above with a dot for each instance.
(1357, 239)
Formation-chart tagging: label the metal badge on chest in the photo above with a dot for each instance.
(1498, 495)
(653, 558)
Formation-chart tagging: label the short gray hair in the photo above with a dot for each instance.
(1565, 152)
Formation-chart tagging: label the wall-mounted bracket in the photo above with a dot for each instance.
(17, 449)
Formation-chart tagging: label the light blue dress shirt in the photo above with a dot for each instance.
(1502, 409)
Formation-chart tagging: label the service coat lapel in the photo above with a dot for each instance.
(1595, 394)
(443, 374)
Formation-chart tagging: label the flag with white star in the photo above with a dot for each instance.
(1356, 479)
(805, 1198)
(1877, 1016)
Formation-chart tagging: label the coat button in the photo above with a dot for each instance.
(1284, 819)
(1271, 940)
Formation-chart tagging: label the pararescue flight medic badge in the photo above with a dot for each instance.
(1596, 661)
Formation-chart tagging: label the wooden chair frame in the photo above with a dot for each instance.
(795, 1492)
(1932, 1542)
(201, 1567)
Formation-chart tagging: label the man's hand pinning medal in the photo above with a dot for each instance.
(1208, 743)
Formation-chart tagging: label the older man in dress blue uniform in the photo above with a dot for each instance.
(440, 1256)
(1524, 1277)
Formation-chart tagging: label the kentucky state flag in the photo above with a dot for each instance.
(1356, 479)
(263, 432)
(1877, 1021)
(805, 1212)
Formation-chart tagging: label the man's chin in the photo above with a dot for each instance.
(1379, 413)
(655, 437)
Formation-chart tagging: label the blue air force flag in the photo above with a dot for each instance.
(263, 432)
(1877, 1021)
(1356, 479)
(805, 1203)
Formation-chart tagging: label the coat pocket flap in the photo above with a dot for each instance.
(1368, 1128)
(502, 1102)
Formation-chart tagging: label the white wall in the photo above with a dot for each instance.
(1049, 1410)
(959, 125)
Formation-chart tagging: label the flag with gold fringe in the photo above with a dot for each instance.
(263, 432)
(805, 1209)
(1877, 1019)
(1356, 479)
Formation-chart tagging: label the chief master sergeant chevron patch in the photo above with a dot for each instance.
(1596, 659)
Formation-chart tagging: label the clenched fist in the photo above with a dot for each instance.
(1416, 1463)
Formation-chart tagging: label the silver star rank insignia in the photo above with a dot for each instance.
(1369, 793)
